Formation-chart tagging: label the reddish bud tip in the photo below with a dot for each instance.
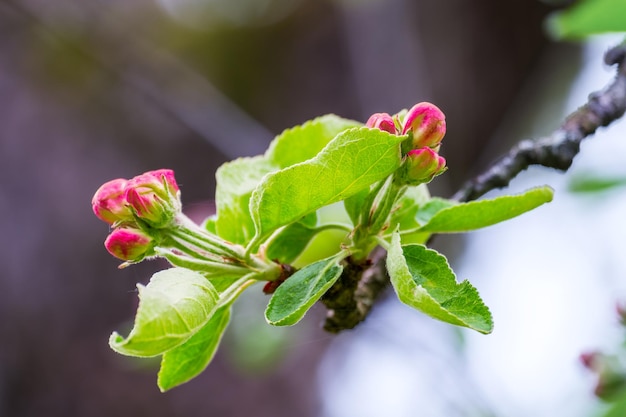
(422, 165)
(129, 244)
(109, 202)
(620, 308)
(588, 359)
(270, 287)
(382, 121)
(155, 197)
(426, 124)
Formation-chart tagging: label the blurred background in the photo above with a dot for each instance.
(95, 90)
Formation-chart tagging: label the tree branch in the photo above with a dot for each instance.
(351, 299)
(559, 148)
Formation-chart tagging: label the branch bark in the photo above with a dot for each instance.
(558, 149)
(362, 286)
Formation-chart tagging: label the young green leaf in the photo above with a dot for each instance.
(235, 182)
(427, 211)
(299, 292)
(172, 307)
(406, 214)
(188, 360)
(589, 182)
(589, 17)
(474, 215)
(210, 224)
(352, 161)
(290, 242)
(303, 142)
(354, 205)
(423, 280)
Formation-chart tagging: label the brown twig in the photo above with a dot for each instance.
(559, 148)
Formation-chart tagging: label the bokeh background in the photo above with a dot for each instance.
(94, 90)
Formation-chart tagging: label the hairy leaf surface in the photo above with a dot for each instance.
(299, 292)
(291, 241)
(188, 360)
(423, 280)
(172, 307)
(448, 217)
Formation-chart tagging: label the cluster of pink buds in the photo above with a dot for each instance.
(425, 124)
(136, 208)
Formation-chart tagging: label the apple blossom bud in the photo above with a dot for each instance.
(422, 165)
(155, 197)
(129, 244)
(620, 308)
(426, 124)
(588, 359)
(382, 121)
(109, 202)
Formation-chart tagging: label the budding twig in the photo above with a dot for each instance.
(559, 148)
(556, 150)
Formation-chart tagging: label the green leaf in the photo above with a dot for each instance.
(188, 360)
(223, 282)
(352, 161)
(235, 182)
(616, 406)
(591, 183)
(474, 215)
(427, 211)
(292, 240)
(587, 18)
(423, 280)
(237, 179)
(299, 292)
(406, 213)
(354, 205)
(172, 307)
(303, 142)
(210, 224)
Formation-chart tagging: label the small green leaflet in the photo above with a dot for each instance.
(172, 307)
(405, 213)
(303, 142)
(352, 161)
(291, 241)
(188, 360)
(448, 217)
(299, 292)
(354, 205)
(423, 280)
(588, 17)
(235, 182)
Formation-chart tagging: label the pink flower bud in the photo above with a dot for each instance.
(109, 202)
(427, 125)
(155, 197)
(382, 121)
(422, 165)
(129, 244)
(588, 359)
